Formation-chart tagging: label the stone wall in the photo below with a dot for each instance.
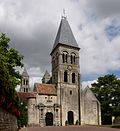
(90, 108)
(32, 112)
(8, 122)
(47, 104)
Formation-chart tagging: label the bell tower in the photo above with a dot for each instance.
(65, 72)
(24, 87)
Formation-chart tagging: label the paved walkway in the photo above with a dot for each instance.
(70, 128)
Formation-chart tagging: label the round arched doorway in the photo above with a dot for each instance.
(70, 118)
(49, 119)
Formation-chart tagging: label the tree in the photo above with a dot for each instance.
(9, 77)
(10, 59)
(107, 91)
(22, 120)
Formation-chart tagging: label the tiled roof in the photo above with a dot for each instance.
(65, 35)
(25, 95)
(45, 89)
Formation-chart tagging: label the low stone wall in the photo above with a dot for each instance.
(8, 122)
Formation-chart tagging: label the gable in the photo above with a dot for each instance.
(89, 95)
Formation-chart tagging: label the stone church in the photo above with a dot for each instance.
(60, 100)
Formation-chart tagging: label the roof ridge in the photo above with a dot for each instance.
(44, 84)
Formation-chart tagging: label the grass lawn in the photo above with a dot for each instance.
(112, 126)
(115, 126)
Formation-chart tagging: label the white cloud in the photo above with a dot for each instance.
(99, 55)
(32, 26)
(35, 76)
(34, 80)
(87, 83)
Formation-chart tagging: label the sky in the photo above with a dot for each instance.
(32, 26)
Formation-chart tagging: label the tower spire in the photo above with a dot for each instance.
(65, 35)
(24, 87)
(25, 72)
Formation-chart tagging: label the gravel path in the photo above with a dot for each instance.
(70, 128)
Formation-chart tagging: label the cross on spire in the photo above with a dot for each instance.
(64, 16)
(65, 35)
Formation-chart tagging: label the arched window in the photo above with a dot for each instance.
(65, 76)
(26, 82)
(73, 77)
(65, 57)
(56, 113)
(70, 92)
(73, 60)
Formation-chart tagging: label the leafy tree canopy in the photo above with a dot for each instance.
(9, 60)
(9, 77)
(107, 91)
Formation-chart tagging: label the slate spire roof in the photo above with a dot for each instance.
(25, 73)
(65, 35)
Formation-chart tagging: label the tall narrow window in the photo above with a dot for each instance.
(73, 60)
(26, 82)
(65, 76)
(73, 77)
(65, 57)
(56, 113)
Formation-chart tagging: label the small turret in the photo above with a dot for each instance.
(46, 78)
(25, 74)
(25, 82)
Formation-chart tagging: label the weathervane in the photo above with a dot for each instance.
(64, 14)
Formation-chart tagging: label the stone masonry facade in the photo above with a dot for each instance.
(60, 100)
(8, 122)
